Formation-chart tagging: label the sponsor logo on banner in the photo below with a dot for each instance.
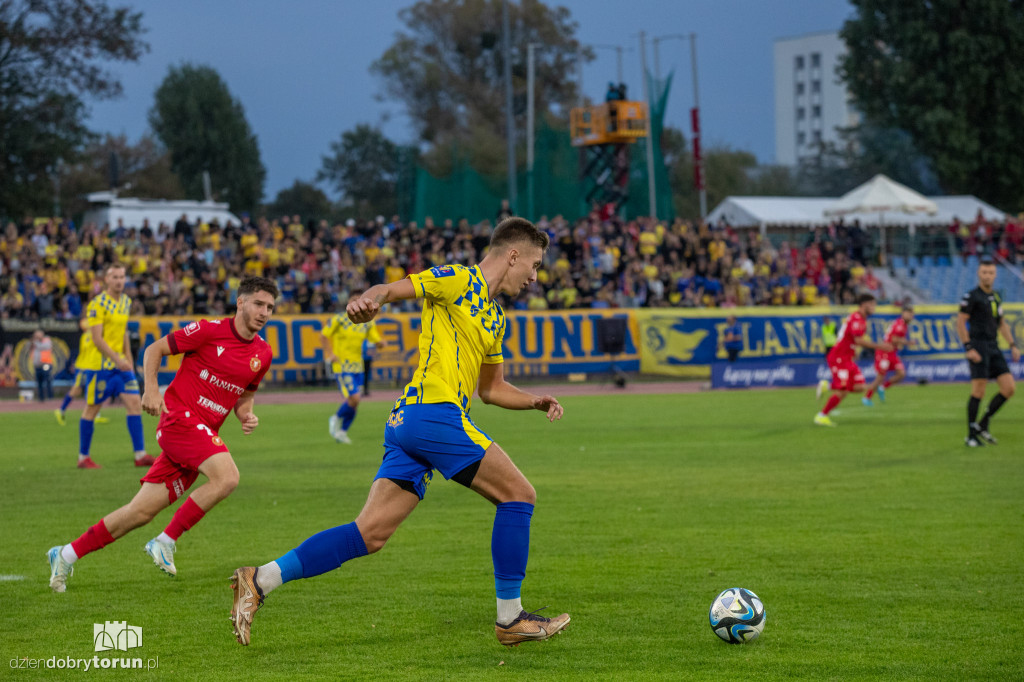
(775, 373)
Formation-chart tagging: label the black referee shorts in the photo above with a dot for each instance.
(993, 362)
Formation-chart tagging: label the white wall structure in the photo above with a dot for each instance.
(810, 100)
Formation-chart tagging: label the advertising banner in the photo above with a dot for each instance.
(676, 342)
(536, 343)
(775, 373)
(16, 349)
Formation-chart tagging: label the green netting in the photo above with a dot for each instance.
(557, 185)
(639, 197)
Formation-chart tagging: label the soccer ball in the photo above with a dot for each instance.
(737, 616)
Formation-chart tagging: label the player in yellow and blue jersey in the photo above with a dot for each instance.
(108, 369)
(429, 428)
(84, 345)
(342, 341)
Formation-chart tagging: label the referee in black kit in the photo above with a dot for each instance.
(979, 321)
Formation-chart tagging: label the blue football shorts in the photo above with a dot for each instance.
(108, 383)
(422, 437)
(349, 383)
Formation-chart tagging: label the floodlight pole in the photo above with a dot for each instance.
(510, 130)
(651, 193)
(530, 133)
(698, 157)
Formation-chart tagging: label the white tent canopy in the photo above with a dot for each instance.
(106, 208)
(740, 211)
(882, 195)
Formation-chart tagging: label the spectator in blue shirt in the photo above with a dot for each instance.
(732, 338)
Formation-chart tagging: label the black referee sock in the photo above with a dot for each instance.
(972, 413)
(993, 407)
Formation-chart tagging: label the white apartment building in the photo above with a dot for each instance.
(810, 100)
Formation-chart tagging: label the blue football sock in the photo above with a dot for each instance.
(323, 552)
(135, 430)
(85, 428)
(510, 547)
(67, 401)
(347, 414)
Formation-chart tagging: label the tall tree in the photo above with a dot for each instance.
(367, 170)
(205, 129)
(143, 169)
(948, 73)
(861, 153)
(447, 68)
(302, 198)
(54, 53)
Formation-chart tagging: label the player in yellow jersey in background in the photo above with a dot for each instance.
(84, 345)
(429, 428)
(108, 367)
(342, 341)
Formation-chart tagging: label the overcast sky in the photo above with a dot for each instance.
(301, 68)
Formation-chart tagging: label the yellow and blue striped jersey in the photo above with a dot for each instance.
(85, 347)
(113, 316)
(347, 342)
(461, 328)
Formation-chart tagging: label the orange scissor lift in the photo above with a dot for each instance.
(603, 132)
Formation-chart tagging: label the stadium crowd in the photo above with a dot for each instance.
(51, 269)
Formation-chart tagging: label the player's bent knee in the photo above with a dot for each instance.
(375, 537)
(526, 494)
(227, 484)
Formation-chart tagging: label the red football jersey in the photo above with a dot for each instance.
(855, 326)
(896, 330)
(219, 366)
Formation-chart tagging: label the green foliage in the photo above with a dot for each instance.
(144, 170)
(302, 198)
(883, 549)
(367, 170)
(54, 53)
(862, 153)
(948, 73)
(205, 129)
(727, 172)
(447, 69)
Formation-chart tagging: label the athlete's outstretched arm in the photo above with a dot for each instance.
(366, 307)
(866, 342)
(494, 390)
(152, 401)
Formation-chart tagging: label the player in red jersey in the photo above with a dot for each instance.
(224, 363)
(846, 375)
(896, 335)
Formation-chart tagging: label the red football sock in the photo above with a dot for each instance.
(187, 516)
(832, 402)
(887, 384)
(95, 538)
(869, 393)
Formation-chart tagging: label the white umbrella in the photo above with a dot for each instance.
(882, 195)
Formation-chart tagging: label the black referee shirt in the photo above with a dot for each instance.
(985, 312)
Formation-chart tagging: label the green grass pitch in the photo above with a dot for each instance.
(882, 549)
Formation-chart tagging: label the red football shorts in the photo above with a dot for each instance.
(184, 448)
(887, 362)
(846, 375)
